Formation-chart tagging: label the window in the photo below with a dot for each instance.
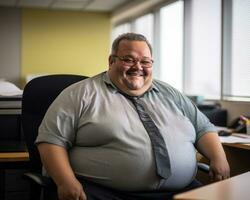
(203, 48)
(237, 65)
(171, 45)
(144, 26)
(118, 30)
(200, 47)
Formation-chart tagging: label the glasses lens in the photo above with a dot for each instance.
(146, 63)
(132, 61)
(128, 61)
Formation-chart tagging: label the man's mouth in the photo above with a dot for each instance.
(135, 73)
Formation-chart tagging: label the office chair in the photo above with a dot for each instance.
(38, 94)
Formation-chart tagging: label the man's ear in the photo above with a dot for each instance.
(111, 60)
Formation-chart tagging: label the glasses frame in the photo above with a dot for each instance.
(134, 61)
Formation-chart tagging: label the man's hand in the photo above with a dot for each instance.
(71, 191)
(209, 146)
(56, 162)
(219, 169)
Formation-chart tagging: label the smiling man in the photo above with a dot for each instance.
(130, 66)
(123, 135)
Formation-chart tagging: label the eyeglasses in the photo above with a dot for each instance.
(129, 61)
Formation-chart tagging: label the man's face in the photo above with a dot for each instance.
(133, 78)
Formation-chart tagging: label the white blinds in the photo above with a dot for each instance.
(240, 51)
(203, 48)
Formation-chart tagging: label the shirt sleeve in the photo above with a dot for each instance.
(59, 123)
(200, 122)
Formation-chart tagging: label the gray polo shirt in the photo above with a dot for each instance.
(108, 144)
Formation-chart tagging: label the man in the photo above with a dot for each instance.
(93, 132)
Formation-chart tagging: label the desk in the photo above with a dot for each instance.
(235, 188)
(13, 160)
(237, 145)
(238, 156)
(14, 157)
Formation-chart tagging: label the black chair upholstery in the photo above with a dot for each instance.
(38, 94)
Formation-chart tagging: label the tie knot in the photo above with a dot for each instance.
(132, 98)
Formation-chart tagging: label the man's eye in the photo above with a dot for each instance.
(146, 62)
(127, 60)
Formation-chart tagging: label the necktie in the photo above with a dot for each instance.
(159, 147)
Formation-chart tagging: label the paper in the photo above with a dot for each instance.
(8, 89)
(236, 138)
(221, 128)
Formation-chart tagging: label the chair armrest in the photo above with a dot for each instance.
(39, 179)
(203, 167)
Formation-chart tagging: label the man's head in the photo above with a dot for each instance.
(130, 64)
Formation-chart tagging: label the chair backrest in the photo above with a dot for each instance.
(38, 94)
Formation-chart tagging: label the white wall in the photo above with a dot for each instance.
(235, 109)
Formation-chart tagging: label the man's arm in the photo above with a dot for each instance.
(209, 145)
(56, 162)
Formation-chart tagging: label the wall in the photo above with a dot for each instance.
(235, 109)
(64, 42)
(10, 44)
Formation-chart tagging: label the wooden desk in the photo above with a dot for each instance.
(238, 145)
(238, 156)
(14, 157)
(235, 188)
(13, 160)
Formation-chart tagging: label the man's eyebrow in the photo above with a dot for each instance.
(147, 58)
(131, 56)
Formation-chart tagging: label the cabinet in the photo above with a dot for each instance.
(16, 188)
(14, 161)
(12, 184)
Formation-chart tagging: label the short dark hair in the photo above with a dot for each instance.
(130, 37)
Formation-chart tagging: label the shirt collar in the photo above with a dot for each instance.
(114, 89)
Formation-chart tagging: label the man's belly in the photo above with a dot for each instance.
(130, 169)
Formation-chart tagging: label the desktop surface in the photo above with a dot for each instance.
(7, 159)
(234, 188)
(237, 140)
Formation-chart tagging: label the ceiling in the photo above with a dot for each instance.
(86, 5)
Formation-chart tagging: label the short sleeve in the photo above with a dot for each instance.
(59, 123)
